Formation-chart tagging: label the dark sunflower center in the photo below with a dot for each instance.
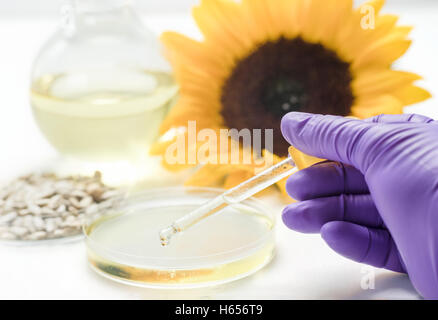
(283, 94)
(283, 76)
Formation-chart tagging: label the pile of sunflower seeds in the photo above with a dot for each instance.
(44, 206)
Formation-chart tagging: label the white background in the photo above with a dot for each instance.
(49, 7)
(304, 267)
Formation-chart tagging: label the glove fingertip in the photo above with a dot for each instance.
(288, 216)
(347, 239)
(297, 217)
(291, 124)
(296, 186)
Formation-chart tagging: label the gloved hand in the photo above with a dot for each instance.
(378, 204)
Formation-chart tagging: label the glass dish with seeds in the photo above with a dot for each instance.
(44, 206)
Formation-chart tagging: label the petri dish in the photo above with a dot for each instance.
(123, 244)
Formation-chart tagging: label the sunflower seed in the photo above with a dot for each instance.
(44, 206)
(42, 202)
(8, 217)
(54, 201)
(19, 205)
(23, 212)
(34, 209)
(38, 223)
(110, 194)
(75, 202)
(94, 208)
(8, 236)
(19, 231)
(85, 202)
(38, 235)
(47, 213)
(18, 222)
(50, 225)
(62, 208)
(79, 194)
(28, 223)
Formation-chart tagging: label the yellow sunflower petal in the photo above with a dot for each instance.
(188, 75)
(237, 177)
(209, 176)
(376, 4)
(379, 81)
(181, 46)
(282, 12)
(347, 34)
(357, 43)
(316, 27)
(198, 95)
(181, 121)
(382, 53)
(257, 17)
(340, 14)
(282, 186)
(160, 147)
(175, 162)
(180, 115)
(191, 108)
(411, 94)
(296, 11)
(175, 167)
(219, 21)
(183, 50)
(384, 25)
(403, 31)
(301, 159)
(354, 36)
(385, 104)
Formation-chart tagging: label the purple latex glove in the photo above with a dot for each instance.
(378, 204)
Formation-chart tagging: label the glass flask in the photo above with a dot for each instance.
(100, 87)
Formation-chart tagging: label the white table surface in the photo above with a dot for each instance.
(304, 268)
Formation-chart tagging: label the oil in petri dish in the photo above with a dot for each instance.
(102, 116)
(226, 247)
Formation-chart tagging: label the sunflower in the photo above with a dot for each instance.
(260, 59)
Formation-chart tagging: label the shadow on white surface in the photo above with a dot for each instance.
(397, 285)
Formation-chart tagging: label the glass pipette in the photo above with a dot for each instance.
(235, 195)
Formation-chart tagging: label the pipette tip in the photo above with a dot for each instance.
(166, 234)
